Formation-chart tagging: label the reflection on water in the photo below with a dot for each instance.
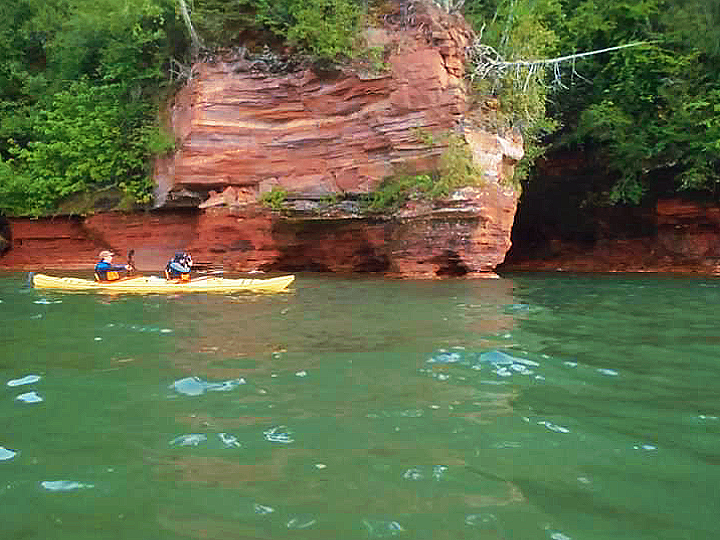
(527, 407)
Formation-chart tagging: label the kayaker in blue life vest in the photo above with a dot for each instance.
(179, 267)
(105, 270)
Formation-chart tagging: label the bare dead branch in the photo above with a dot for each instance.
(489, 64)
(196, 44)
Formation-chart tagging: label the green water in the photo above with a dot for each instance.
(530, 407)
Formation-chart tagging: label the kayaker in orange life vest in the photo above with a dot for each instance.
(105, 270)
(179, 267)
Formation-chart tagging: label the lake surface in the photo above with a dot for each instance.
(530, 407)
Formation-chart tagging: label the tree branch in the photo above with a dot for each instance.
(488, 64)
(196, 43)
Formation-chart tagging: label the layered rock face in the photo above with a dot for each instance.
(244, 128)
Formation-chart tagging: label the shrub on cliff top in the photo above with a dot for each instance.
(80, 142)
(456, 169)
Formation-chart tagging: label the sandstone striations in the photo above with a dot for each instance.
(244, 129)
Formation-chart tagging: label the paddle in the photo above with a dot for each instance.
(208, 269)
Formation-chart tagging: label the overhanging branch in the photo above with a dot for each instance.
(488, 64)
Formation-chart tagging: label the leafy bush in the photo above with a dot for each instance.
(81, 141)
(274, 199)
(325, 28)
(456, 170)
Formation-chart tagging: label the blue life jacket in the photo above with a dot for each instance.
(105, 271)
(177, 270)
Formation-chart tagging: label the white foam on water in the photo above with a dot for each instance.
(195, 386)
(413, 474)
(278, 434)
(192, 439)
(64, 485)
(383, 529)
(229, 440)
(301, 522)
(29, 397)
(263, 510)
(481, 520)
(45, 301)
(644, 447)
(6, 454)
(553, 427)
(27, 379)
(439, 471)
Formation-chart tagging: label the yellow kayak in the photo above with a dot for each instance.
(152, 284)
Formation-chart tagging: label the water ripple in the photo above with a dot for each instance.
(27, 379)
(553, 427)
(64, 485)
(6, 454)
(192, 439)
(195, 386)
(29, 397)
(481, 520)
(262, 510)
(229, 440)
(279, 434)
(382, 529)
(302, 522)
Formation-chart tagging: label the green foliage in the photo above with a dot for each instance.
(456, 170)
(77, 94)
(426, 137)
(159, 141)
(395, 191)
(520, 30)
(649, 112)
(274, 199)
(373, 56)
(82, 141)
(220, 22)
(325, 28)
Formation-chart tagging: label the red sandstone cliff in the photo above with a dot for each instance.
(242, 129)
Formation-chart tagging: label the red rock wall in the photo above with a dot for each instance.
(467, 236)
(244, 131)
(680, 237)
(319, 134)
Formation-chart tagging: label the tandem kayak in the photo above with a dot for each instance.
(152, 284)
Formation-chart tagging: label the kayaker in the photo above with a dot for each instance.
(179, 267)
(105, 270)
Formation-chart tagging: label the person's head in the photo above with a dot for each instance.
(106, 255)
(182, 257)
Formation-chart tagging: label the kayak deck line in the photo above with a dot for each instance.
(152, 284)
